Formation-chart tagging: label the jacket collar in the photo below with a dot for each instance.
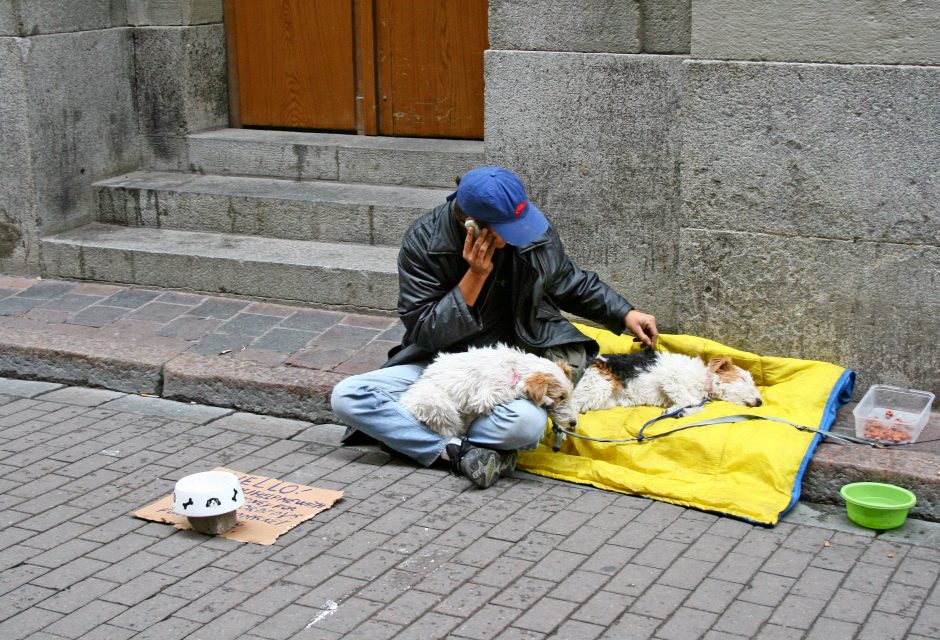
(448, 237)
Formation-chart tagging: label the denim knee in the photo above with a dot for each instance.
(532, 422)
(342, 397)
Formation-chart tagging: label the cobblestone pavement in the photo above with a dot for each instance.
(234, 328)
(407, 553)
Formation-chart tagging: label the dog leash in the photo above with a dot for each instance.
(559, 432)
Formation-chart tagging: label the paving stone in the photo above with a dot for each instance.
(17, 306)
(26, 388)
(287, 622)
(430, 625)
(85, 619)
(659, 601)
(743, 618)
(98, 315)
(131, 298)
(181, 411)
(829, 629)
(633, 579)
(349, 615)
(216, 344)
(189, 328)
(850, 606)
(175, 297)
(231, 626)
(603, 608)
(901, 599)
(798, 611)
(884, 626)
(46, 290)
(686, 573)
(67, 575)
(249, 324)
(71, 303)
(21, 599)
(817, 583)
(545, 615)
(26, 623)
(487, 622)
(686, 624)
(408, 607)
(311, 320)
(149, 612)
(766, 588)
(869, 578)
(81, 396)
(283, 340)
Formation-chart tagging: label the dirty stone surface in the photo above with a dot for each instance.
(408, 552)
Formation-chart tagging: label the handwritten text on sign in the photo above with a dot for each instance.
(272, 507)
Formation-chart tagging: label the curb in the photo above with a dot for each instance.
(304, 394)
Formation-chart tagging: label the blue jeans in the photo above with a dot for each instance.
(369, 402)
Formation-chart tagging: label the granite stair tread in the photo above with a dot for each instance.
(332, 156)
(330, 274)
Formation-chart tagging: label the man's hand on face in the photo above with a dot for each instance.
(478, 252)
(642, 326)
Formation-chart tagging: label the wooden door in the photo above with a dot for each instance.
(389, 67)
(430, 66)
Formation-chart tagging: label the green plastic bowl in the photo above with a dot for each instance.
(876, 505)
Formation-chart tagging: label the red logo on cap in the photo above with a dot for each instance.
(519, 208)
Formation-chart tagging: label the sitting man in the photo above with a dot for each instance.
(508, 284)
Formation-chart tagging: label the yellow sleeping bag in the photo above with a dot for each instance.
(750, 469)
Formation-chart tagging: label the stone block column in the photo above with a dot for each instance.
(66, 117)
(181, 79)
(810, 147)
(576, 106)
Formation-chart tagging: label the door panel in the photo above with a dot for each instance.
(295, 63)
(393, 67)
(430, 59)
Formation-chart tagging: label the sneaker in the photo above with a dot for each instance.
(507, 462)
(478, 465)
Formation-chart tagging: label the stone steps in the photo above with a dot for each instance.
(274, 208)
(323, 156)
(281, 215)
(355, 277)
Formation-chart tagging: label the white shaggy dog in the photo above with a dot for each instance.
(458, 387)
(675, 381)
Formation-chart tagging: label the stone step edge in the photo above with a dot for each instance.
(346, 141)
(249, 186)
(304, 394)
(279, 390)
(301, 156)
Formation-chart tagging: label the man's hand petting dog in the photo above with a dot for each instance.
(642, 326)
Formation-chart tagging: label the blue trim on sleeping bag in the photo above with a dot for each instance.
(841, 394)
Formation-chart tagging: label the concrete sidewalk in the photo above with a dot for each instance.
(408, 552)
(284, 360)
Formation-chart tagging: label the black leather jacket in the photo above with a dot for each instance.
(545, 281)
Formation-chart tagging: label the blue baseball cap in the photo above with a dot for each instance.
(497, 197)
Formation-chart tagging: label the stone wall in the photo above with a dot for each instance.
(775, 188)
(73, 109)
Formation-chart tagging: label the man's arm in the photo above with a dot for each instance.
(584, 293)
(437, 314)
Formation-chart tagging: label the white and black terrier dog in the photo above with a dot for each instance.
(458, 387)
(678, 382)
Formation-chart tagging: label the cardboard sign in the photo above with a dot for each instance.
(272, 507)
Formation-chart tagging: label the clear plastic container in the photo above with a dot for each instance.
(892, 415)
